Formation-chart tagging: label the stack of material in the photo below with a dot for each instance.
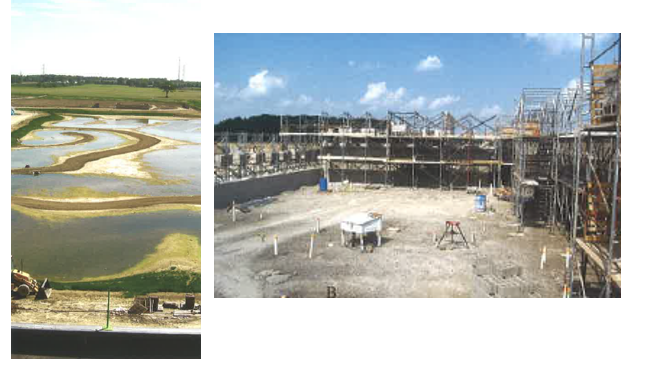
(144, 305)
(606, 99)
(502, 280)
(190, 302)
(504, 193)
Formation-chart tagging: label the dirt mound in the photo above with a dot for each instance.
(104, 205)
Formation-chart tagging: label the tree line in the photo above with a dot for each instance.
(51, 80)
(270, 123)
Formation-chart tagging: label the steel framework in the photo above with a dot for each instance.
(407, 148)
(568, 148)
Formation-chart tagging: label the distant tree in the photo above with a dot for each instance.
(167, 87)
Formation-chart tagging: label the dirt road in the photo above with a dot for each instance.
(103, 205)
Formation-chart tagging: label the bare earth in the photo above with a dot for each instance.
(21, 118)
(406, 265)
(89, 308)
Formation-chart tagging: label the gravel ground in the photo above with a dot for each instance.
(406, 265)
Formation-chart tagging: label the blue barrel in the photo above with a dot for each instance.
(323, 184)
(481, 203)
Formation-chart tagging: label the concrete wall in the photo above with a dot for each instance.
(256, 188)
(49, 340)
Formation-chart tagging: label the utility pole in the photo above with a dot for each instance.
(178, 68)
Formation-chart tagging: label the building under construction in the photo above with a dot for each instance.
(557, 158)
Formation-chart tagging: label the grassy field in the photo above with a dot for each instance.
(108, 92)
(34, 124)
(105, 112)
(141, 284)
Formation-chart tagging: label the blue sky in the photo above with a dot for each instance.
(430, 73)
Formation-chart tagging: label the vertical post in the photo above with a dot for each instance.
(365, 157)
(414, 185)
(275, 249)
(108, 327)
(317, 225)
(613, 233)
(311, 246)
(234, 212)
(362, 243)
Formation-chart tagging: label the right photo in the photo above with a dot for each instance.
(417, 165)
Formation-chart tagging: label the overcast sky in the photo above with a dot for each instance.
(430, 73)
(141, 38)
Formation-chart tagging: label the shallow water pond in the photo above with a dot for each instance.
(58, 184)
(87, 122)
(183, 162)
(186, 130)
(90, 247)
(49, 137)
(46, 156)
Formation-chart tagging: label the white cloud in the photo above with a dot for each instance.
(489, 111)
(261, 84)
(573, 84)
(17, 13)
(429, 63)
(443, 101)
(558, 43)
(416, 104)
(351, 63)
(302, 101)
(224, 92)
(571, 88)
(379, 94)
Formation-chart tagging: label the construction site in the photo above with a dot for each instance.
(409, 205)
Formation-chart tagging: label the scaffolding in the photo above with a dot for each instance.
(408, 149)
(567, 169)
(242, 155)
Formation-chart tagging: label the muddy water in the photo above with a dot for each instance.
(99, 246)
(58, 185)
(91, 247)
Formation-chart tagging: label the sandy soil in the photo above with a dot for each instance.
(89, 308)
(128, 165)
(23, 117)
(406, 265)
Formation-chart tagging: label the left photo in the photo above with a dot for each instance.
(105, 201)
